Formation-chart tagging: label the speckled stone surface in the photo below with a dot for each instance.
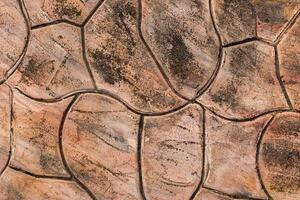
(149, 100)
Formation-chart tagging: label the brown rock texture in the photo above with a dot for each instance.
(149, 100)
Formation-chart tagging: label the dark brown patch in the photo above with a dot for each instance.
(227, 95)
(64, 8)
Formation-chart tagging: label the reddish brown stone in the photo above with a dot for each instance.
(121, 63)
(246, 85)
(182, 36)
(13, 34)
(239, 20)
(53, 64)
(172, 154)
(289, 62)
(279, 160)
(5, 116)
(100, 145)
(205, 194)
(35, 131)
(18, 186)
(44, 11)
(231, 156)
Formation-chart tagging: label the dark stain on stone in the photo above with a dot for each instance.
(49, 162)
(244, 61)
(286, 184)
(272, 12)
(281, 157)
(65, 8)
(35, 70)
(287, 126)
(237, 17)
(109, 66)
(227, 95)
(14, 193)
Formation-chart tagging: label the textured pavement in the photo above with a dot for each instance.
(149, 100)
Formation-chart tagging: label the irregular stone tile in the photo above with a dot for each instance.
(273, 16)
(13, 34)
(43, 11)
(231, 156)
(235, 19)
(238, 20)
(100, 145)
(279, 160)
(18, 186)
(246, 84)
(121, 63)
(182, 36)
(172, 154)
(53, 64)
(35, 128)
(289, 62)
(5, 115)
(205, 194)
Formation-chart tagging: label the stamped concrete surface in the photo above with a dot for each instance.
(149, 100)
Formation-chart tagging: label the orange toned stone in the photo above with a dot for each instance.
(274, 16)
(246, 85)
(18, 186)
(235, 19)
(182, 37)
(100, 145)
(35, 128)
(13, 33)
(289, 62)
(43, 11)
(279, 160)
(53, 64)
(231, 156)
(172, 154)
(5, 116)
(121, 63)
(205, 194)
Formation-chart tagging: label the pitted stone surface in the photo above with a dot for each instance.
(149, 100)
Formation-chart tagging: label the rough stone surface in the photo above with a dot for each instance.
(279, 160)
(149, 99)
(289, 63)
(246, 84)
(45, 11)
(172, 154)
(120, 61)
(18, 186)
(13, 35)
(35, 127)
(182, 36)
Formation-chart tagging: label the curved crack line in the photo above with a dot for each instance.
(87, 64)
(274, 111)
(11, 135)
(248, 40)
(202, 179)
(277, 70)
(58, 21)
(40, 176)
(106, 93)
(139, 157)
(159, 66)
(19, 60)
(229, 195)
(287, 27)
(260, 138)
(220, 55)
(61, 151)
